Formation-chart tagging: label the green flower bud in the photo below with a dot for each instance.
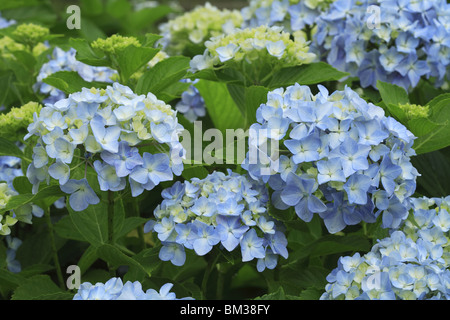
(15, 123)
(115, 43)
(30, 34)
(414, 111)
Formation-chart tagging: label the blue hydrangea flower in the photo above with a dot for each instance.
(410, 264)
(102, 130)
(66, 61)
(115, 289)
(347, 162)
(405, 43)
(292, 15)
(191, 105)
(12, 263)
(5, 23)
(225, 210)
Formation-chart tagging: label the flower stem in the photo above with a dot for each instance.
(140, 229)
(211, 265)
(54, 249)
(111, 226)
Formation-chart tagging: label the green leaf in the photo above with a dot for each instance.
(40, 287)
(277, 295)
(162, 76)
(70, 82)
(87, 55)
(311, 294)
(9, 148)
(306, 74)
(11, 278)
(434, 169)
(220, 105)
(434, 132)
(22, 185)
(65, 228)
(87, 259)
(295, 278)
(117, 258)
(132, 58)
(92, 223)
(392, 94)
(248, 99)
(195, 171)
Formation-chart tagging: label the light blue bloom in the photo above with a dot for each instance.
(218, 210)
(409, 44)
(252, 246)
(207, 237)
(299, 193)
(108, 178)
(107, 137)
(408, 264)
(230, 231)
(173, 252)
(60, 171)
(125, 160)
(155, 168)
(115, 289)
(81, 194)
(227, 53)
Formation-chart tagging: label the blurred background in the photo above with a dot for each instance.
(101, 18)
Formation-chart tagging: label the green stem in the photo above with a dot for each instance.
(220, 282)
(54, 249)
(111, 226)
(209, 269)
(140, 229)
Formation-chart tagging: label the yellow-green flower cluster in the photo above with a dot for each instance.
(254, 46)
(414, 111)
(30, 34)
(16, 121)
(115, 43)
(8, 46)
(6, 220)
(193, 28)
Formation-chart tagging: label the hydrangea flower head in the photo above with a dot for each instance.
(115, 289)
(186, 34)
(227, 210)
(114, 43)
(106, 125)
(66, 61)
(341, 157)
(254, 46)
(191, 104)
(292, 15)
(30, 33)
(411, 264)
(410, 42)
